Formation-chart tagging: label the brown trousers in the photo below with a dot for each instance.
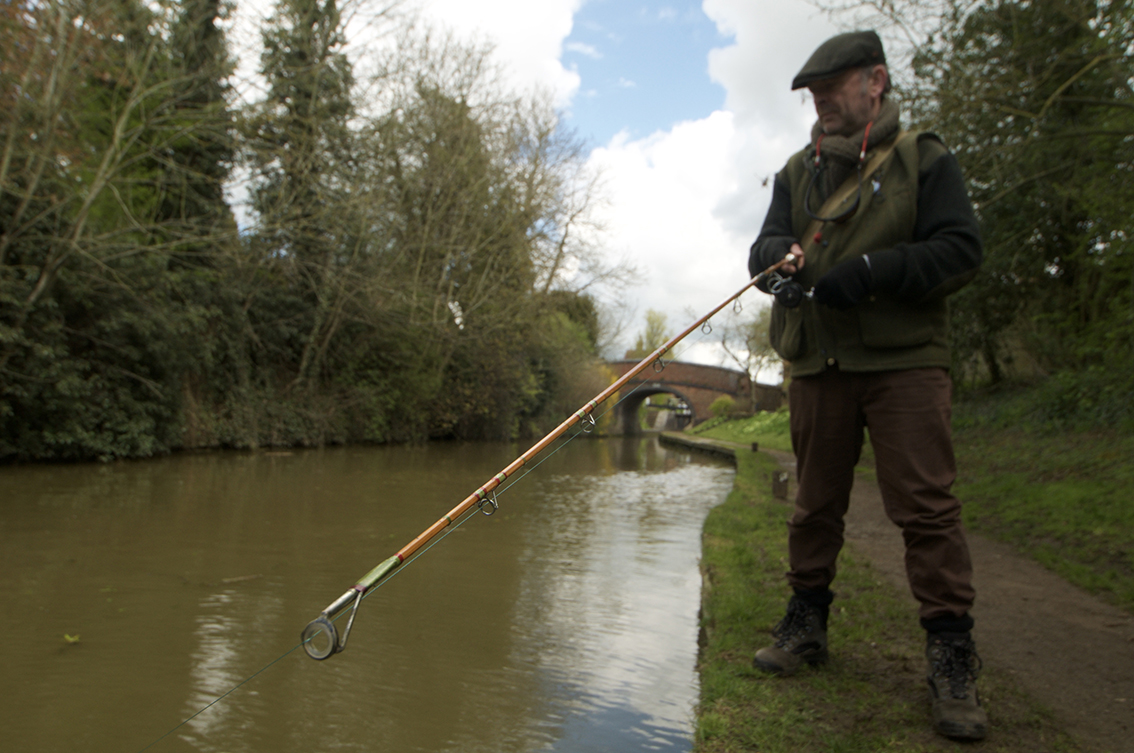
(908, 415)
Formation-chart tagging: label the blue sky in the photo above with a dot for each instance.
(643, 67)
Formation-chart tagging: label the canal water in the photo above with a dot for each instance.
(134, 594)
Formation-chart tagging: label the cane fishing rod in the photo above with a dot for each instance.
(321, 639)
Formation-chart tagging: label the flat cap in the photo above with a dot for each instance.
(839, 53)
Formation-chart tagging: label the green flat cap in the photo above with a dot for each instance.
(839, 53)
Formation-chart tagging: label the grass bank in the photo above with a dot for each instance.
(769, 430)
(871, 696)
(1059, 496)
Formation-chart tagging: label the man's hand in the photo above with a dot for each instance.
(794, 266)
(845, 285)
(772, 250)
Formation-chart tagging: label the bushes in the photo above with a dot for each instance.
(723, 407)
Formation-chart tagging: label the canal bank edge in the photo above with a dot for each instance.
(718, 447)
(1018, 689)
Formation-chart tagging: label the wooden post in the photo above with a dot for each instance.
(780, 484)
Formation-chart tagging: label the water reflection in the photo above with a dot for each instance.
(566, 622)
(620, 594)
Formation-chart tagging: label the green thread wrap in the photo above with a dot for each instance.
(378, 573)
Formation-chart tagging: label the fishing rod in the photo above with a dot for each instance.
(321, 639)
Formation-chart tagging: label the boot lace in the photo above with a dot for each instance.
(799, 620)
(955, 660)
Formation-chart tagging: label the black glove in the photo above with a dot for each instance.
(845, 285)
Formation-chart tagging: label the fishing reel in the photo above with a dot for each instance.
(787, 291)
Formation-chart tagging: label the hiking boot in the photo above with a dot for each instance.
(953, 669)
(800, 637)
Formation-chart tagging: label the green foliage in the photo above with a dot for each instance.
(653, 337)
(95, 336)
(1036, 101)
(723, 407)
(401, 275)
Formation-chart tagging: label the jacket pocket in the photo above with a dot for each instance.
(887, 323)
(786, 331)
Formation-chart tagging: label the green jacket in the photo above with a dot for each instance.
(916, 224)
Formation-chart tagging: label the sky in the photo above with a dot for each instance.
(687, 111)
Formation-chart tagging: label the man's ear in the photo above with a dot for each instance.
(879, 81)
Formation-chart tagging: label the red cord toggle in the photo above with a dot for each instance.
(865, 136)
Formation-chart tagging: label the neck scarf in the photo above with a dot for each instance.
(839, 154)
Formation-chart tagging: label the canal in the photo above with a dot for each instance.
(134, 594)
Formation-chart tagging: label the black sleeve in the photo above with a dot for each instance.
(775, 237)
(946, 250)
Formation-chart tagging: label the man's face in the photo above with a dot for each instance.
(845, 103)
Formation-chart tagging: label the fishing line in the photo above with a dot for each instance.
(226, 694)
(452, 525)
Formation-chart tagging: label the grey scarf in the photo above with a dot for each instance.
(839, 154)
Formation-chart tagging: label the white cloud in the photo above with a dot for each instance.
(528, 37)
(583, 48)
(663, 190)
(756, 70)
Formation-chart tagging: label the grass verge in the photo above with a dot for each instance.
(870, 697)
(767, 429)
(1061, 497)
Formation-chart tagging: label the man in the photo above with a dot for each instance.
(882, 230)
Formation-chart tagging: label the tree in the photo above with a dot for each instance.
(301, 144)
(655, 335)
(198, 162)
(420, 264)
(92, 348)
(1036, 100)
(745, 340)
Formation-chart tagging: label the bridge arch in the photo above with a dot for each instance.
(695, 385)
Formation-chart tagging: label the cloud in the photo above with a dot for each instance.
(528, 37)
(583, 48)
(662, 193)
(756, 72)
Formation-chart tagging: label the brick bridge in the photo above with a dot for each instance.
(694, 384)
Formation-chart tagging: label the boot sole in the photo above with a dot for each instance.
(961, 731)
(812, 659)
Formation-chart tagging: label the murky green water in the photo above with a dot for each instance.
(133, 595)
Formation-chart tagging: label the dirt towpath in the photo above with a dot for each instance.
(1069, 650)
